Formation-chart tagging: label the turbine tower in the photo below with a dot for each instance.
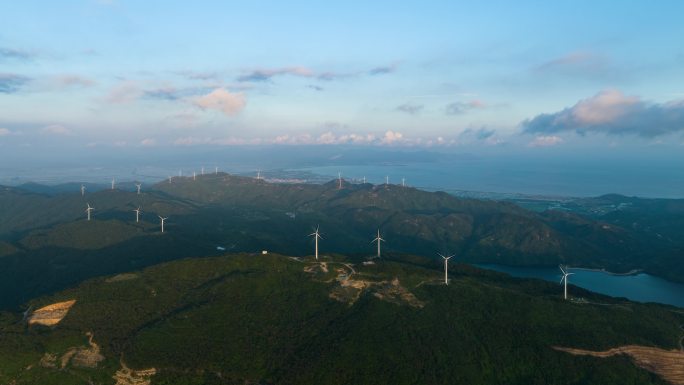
(194, 175)
(564, 280)
(137, 214)
(316, 236)
(88, 210)
(403, 182)
(339, 180)
(113, 182)
(215, 170)
(378, 239)
(138, 186)
(387, 180)
(446, 268)
(258, 174)
(83, 188)
(162, 222)
(364, 180)
(170, 179)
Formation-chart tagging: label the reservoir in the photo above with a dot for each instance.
(638, 287)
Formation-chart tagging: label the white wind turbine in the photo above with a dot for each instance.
(170, 179)
(138, 186)
(378, 239)
(162, 222)
(316, 236)
(364, 180)
(446, 268)
(88, 210)
(83, 188)
(194, 175)
(113, 183)
(258, 174)
(564, 279)
(137, 214)
(215, 170)
(339, 180)
(387, 180)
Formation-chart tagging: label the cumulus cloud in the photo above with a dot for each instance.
(458, 108)
(11, 83)
(222, 100)
(56, 129)
(545, 141)
(614, 113)
(5, 132)
(392, 137)
(410, 108)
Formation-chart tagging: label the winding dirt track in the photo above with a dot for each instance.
(668, 364)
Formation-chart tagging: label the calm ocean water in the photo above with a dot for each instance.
(528, 177)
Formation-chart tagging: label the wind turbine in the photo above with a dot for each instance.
(387, 180)
(215, 170)
(403, 182)
(162, 222)
(194, 175)
(113, 182)
(170, 179)
(446, 268)
(258, 174)
(137, 214)
(364, 180)
(564, 279)
(83, 188)
(316, 236)
(339, 180)
(88, 210)
(138, 186)
(378, 239)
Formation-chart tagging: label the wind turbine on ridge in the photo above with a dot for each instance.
(215, 170)
(194, 175)
(138, 186)
(387, 180)
(113, 182)
(564, 279)
(446, 268)
(88, 210)
(162, 222)
(378, 239)
(83, 188)
(137, 214)
(403, 182)
(316, 236)
(339, 180)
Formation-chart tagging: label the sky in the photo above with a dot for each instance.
(528, 77)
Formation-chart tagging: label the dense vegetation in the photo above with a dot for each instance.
(43, 235)
(239, 319)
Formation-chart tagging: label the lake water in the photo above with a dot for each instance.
(639, 287)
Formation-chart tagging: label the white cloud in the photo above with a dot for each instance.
(56, 129)
(148, 142)
(5, 132)
(545, 141)
(125, 92)
(612, 112)
(222, 100)
(392, 137)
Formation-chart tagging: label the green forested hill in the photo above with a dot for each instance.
(46, 244)
(273, 319)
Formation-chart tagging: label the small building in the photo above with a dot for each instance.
(264, 252)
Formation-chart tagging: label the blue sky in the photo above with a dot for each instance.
(496, 76)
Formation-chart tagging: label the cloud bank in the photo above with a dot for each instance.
(222, 100)
(614, 113)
